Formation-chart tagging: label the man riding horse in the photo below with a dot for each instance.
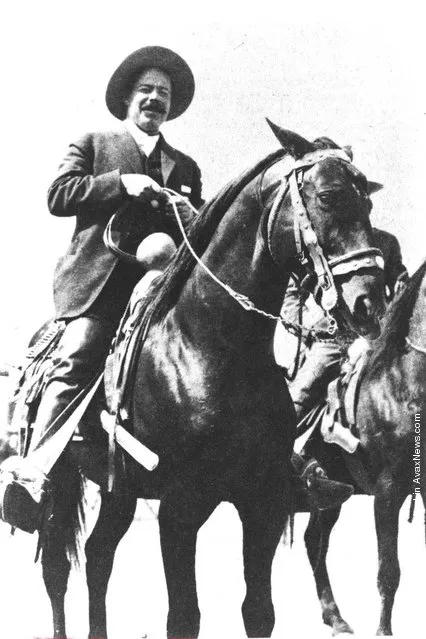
(102, 172)
(121, 170)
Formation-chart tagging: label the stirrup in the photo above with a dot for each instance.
(335, 433)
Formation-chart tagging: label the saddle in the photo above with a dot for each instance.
(24, 484)
(23, 496)
(30, 381)
(118, 376)
(123, 354)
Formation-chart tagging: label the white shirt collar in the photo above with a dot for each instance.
(143, 140)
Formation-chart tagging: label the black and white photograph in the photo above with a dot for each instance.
(213, 328)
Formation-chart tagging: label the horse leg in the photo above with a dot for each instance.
(387, 504)
(56, 569)
(115, 516)
(181, 515)
(317, 537)
(263, 520)
(58, 537)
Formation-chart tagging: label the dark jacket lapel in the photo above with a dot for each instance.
(130, 153)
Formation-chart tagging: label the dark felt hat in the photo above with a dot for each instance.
(124, 76)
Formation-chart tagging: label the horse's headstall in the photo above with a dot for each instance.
(306, 239)
(310, 159)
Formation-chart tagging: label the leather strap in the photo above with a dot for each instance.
(355, 260)
(322, 270)
(112, 246)
(316, 156)
(49, 448)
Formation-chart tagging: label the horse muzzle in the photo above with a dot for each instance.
(363, 302)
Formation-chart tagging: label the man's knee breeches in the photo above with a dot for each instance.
(80, 355)
(321, 366)
(81, 351)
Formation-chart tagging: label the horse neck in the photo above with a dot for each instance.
(417, 325)
(398, 367)
(238, 257)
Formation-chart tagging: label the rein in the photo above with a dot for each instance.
(243, 300)
(304, 236)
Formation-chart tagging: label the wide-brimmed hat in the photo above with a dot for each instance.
(123, 78)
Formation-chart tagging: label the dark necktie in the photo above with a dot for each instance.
(152, 165)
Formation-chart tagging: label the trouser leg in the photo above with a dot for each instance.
(321, 366)
(80, 354)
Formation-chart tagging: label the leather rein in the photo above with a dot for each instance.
(305, 237)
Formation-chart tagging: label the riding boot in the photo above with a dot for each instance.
(314, 490)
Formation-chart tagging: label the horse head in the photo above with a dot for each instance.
(330, 203)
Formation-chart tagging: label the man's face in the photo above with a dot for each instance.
(149, 102)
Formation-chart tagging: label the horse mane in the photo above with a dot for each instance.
(167, 287)
(392, 339)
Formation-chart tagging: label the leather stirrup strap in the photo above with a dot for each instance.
(48, 450)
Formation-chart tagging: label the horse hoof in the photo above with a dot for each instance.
(342, 628)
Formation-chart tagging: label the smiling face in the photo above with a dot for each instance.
(149, 102)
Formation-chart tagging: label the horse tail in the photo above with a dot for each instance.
(65, 516)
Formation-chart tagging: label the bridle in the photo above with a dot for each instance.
(306, 240)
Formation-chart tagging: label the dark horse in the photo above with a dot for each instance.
(391, 409)
(207, 394)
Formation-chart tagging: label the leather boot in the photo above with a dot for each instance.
(314, 490)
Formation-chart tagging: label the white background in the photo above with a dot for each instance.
(353, 71)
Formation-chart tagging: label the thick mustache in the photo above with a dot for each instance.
(154, 106)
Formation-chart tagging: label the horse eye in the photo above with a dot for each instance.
(328, 198)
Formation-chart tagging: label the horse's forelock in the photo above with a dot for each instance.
(359, 176)
(325, 143)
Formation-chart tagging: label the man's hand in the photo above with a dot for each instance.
(185, 212)
(142, 187)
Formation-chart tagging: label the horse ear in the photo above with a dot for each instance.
(291, 142)
(348, 150)
(373, 187)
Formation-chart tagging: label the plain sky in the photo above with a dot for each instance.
(351, 71)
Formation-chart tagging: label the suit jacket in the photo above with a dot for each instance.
(89, 187)
(394, 267)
